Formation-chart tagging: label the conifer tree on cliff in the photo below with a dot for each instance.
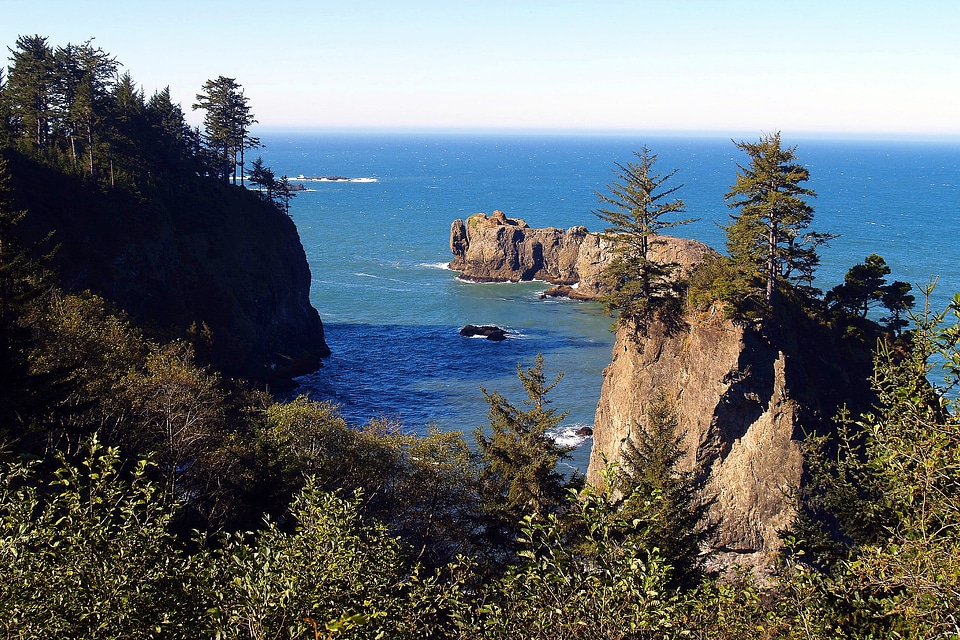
(768, 238)
(226, 123)
(635, 211)
(519, 457)
(664, 501)
(29, 94)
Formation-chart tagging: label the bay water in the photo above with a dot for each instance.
(378, 245)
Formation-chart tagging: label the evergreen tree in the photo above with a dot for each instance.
(6, 116)
(84, 82)
(226, 123)
(768, 239)
(635, 211)
(282, 194)
(127, 126)
(520, 457)
(865, 287)
(263, 178)
(667, 501)
(29, 91)
(176, 144)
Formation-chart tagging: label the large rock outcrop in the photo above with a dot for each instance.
(496, 248)
(745, 397)
(196, 253)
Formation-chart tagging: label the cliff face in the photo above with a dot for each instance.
(500, 249)
(744, 401)
(198, 253)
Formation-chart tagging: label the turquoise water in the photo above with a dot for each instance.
(392, 312)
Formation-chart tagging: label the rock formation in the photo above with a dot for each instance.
(488, 331)
(745, 397)
(500, 249)
(202, 254)
(745, 393)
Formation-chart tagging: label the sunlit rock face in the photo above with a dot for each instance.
(745, 396)
(496, 248)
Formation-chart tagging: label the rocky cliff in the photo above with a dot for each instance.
(745, 397)
(200, 252)
(496, 248)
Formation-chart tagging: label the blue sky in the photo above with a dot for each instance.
(846, 67)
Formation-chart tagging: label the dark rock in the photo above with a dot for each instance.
(584, 431)
(198, 254)
(488, 331)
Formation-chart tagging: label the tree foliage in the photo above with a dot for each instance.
(86, 553)
(611, 585)
(519, 457)
(769, 240)
(865, 287)
(636, 211)
(666, 499)
(883, 510)
(227, 124)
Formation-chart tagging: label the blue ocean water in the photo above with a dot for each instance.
(392, 312)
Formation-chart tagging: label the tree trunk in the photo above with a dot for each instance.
(771, 261)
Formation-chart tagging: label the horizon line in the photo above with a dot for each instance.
(864, 136)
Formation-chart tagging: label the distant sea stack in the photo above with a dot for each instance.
(496, 248)
(198, 253)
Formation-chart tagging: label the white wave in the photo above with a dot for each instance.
(444, 266)
(303, 178)
(567, 436)
(365, 275)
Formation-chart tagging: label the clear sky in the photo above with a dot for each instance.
(813, 66)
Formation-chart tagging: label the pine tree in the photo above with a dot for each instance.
(768, 239)
(520, 457)
(84, 81)
(667, 502)
(865, 287)
(635, 211)
(263, 178)
(226, 123)
(29, 91)
(176, 144)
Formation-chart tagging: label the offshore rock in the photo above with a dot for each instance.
(488, 331)
(745, 397)
(496, 248)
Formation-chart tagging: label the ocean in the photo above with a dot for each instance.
(378, 245)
